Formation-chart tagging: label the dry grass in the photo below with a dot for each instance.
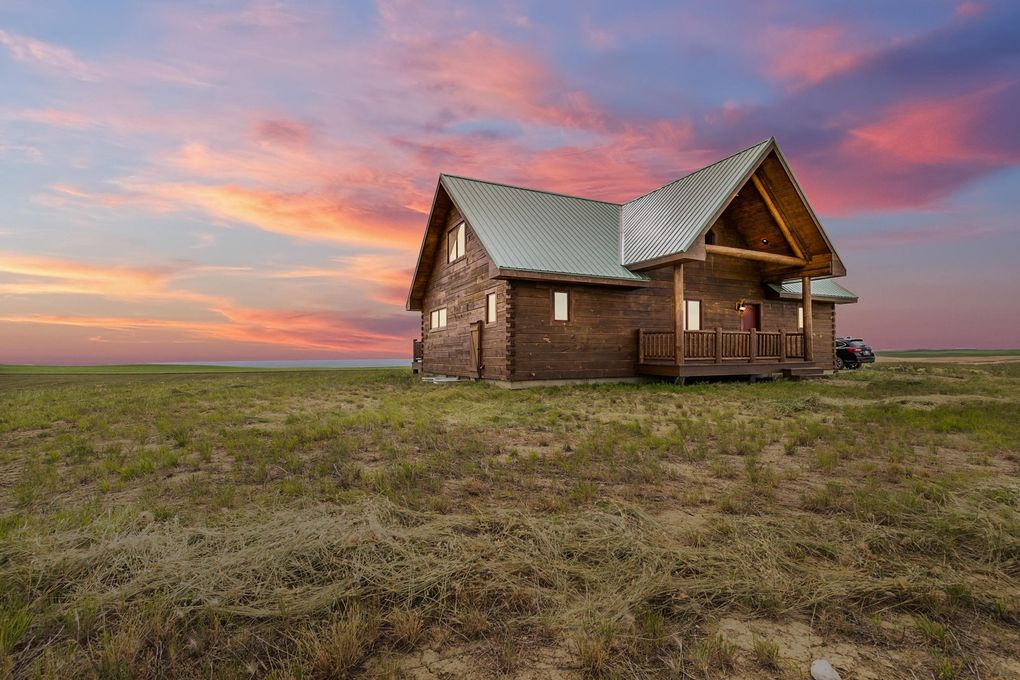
(359, 523)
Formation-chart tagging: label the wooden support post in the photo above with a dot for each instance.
(809, 326)
(782, 345)
(718, 345)
(752, 351)
(641, 346)
(678, 313)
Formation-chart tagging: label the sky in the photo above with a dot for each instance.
(246, 180)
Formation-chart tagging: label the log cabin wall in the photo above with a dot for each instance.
(461, 287)
(600, 338)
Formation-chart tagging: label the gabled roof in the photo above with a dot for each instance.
(670, 219)
(539, 231)
(825, 290)
(549, 234)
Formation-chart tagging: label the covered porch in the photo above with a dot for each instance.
(680, 352)
(722, 352)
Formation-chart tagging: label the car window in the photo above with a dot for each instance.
(857, 343)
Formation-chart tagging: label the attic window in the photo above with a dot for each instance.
(455, 243)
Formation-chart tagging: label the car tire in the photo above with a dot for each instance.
(839, 364)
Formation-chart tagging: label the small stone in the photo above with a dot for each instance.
(823, 670)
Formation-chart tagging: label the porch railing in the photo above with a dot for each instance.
(718, 346)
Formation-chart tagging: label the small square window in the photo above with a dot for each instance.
(490, 308)
(561, 306)
(437, 319)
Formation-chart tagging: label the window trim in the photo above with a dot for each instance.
(701, 314)
(552, 310)
(491, 311)
(456, 236)
(438, 319)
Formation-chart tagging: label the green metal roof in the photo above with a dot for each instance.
(821, 289)
(530, 230)
(539, 231)
(670, 219)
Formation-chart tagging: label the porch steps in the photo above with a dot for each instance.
(802, 372)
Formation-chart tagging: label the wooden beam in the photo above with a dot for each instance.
(678, 312)
(809, 326)
(758, 255)
(777, 216)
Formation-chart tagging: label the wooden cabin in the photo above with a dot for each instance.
(726, 271)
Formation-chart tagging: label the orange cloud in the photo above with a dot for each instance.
(50, 276)
(288, 328)
(310, 215)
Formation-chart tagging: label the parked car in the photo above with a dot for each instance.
(852, 352)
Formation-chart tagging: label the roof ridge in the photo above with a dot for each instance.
(522, 188)
(694, 172)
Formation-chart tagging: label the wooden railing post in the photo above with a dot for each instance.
(718, 345)
(752, 350)
(678, 313)
(641, 345)
(782, 345)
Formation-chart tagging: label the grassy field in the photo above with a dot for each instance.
(359, 523)
(949, 353)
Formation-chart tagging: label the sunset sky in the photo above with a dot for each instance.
(249, 180)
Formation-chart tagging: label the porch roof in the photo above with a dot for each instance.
(823, 290)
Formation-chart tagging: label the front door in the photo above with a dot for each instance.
(750, 318)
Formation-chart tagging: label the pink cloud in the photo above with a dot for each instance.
(47, 55)
(55, 117)
(936, 131)
(286, 133)
(800, 56)
(971, 9)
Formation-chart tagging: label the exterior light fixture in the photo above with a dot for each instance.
(741, 306)
(764, 241)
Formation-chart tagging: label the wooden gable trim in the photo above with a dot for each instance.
(423, 268)
(837, 268)
(429, 254)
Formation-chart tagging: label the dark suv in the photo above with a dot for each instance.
(852, 352)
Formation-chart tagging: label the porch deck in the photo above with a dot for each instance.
(719, 352)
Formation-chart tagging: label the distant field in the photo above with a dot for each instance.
(22, 369)
(922, 353)
(359, 523)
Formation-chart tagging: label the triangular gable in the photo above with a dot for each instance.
(430, 242)
(671, 219)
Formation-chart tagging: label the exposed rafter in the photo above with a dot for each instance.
(777, 216)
